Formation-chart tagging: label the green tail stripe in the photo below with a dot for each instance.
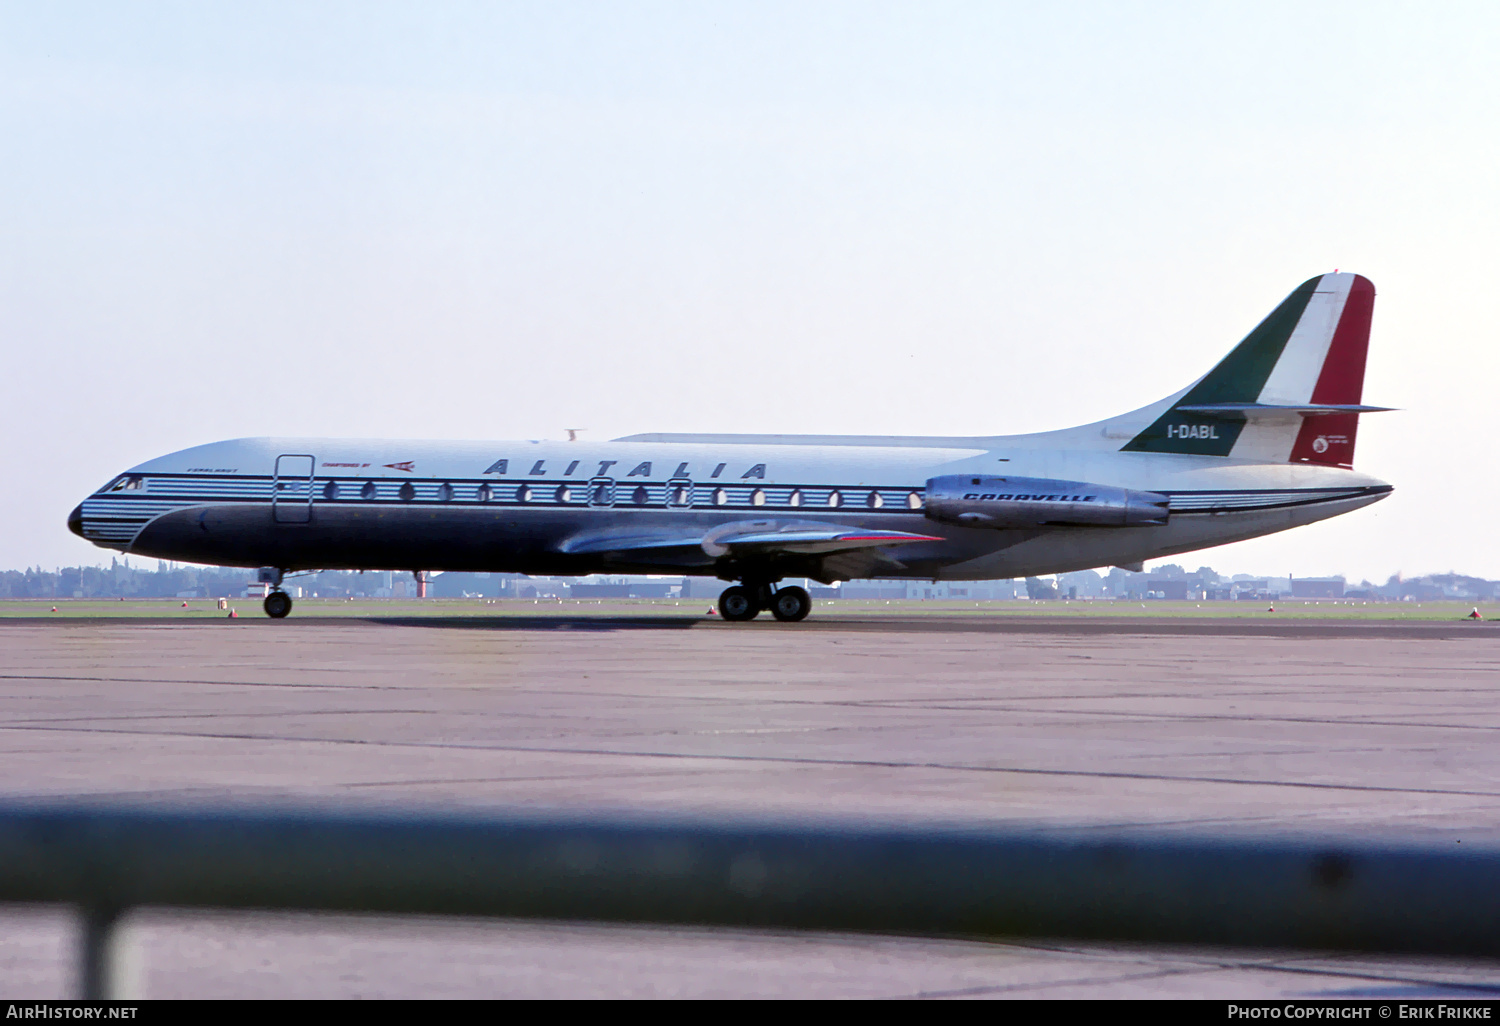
(1238, 378)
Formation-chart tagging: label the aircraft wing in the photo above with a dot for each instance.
(664, 544)
(745, 538)
(801, 537)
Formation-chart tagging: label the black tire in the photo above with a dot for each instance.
(791, 604)
(738, 604)
(278, 604)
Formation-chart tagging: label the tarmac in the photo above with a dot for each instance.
(1257, 728)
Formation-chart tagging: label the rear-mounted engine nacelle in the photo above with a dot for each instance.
(976, 501)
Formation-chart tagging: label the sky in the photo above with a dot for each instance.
(501, 220)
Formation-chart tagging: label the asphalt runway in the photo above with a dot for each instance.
(1248, 726)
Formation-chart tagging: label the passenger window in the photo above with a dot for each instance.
(914, 500)
(639, 496)
(795, 499)
(484, 494)
(564, 493)
(874, 501)
(407, 492)
(835, 498)
(523, 493)
(445, 492)
(368, 491)
(331, 490)
(758, 497)
(721, 497)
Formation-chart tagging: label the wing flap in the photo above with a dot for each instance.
(801, 537)
(819, 542)
(606, 543)
(744, 538)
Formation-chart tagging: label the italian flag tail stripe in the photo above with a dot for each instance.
(1330, 439)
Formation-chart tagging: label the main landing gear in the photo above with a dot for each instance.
(277, 603)
(744, 602)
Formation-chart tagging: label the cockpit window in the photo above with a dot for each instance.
(125, 483)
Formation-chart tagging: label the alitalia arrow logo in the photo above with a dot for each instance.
(407, 466)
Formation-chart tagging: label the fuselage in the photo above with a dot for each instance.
(298, 503)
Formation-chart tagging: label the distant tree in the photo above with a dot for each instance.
(1036, 588)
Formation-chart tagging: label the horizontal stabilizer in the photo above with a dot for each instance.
(1237, 410)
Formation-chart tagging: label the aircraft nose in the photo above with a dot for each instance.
(75, 520)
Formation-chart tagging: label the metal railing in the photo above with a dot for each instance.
(847, 876)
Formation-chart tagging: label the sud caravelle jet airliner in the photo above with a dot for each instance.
(1262, 443)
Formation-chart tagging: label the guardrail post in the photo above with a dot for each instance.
(97, 956)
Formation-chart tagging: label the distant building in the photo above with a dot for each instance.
(1317, 587)
(873, 590)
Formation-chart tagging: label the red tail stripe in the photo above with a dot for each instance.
(1330, 440)
(1342, 379)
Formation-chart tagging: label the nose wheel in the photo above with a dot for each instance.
(278, 604)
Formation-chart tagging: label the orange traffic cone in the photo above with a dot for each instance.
(711, 611)
(54, 609)
(233, 615)
(1271, 609)
(184, 605)
(1475, 614)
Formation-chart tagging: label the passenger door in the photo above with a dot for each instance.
(292, 489)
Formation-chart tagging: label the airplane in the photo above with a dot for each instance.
(1261, 443)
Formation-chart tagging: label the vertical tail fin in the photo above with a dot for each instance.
(1290, 391)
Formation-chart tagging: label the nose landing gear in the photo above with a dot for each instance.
(277, 603)
(745, 601)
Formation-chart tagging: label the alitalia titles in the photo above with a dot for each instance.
(642, 469)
